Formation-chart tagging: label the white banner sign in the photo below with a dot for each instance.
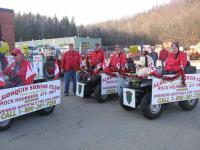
(109, 84)
(129, 97)
(26, 99)
(80, 89)
(167, 92)
(38, 66)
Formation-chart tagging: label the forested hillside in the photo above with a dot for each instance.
(177, 21)
(30, 26)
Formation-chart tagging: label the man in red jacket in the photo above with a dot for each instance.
(163, 56)
(97, 57)
(17, 71)
(176, 60)
(117, 60)
(70, 62)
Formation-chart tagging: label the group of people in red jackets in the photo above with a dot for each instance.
(71, 61)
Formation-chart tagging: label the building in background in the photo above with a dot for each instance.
(80, 43)
(7, 31)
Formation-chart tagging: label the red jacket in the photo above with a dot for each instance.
(173, 64)
(21, 73)
(163, 55)
(97, 57)
(71, 60)
(117, 59)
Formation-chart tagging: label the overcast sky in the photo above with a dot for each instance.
(84, 11)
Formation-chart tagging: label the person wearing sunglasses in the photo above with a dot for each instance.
(177, 60)
(17, 70)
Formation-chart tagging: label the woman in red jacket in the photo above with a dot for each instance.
(117, 60)
(176, 60)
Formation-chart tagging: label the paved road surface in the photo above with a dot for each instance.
(83, 124)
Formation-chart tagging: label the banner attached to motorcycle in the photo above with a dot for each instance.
(166, 92)
(21, 100)
(38, 66)
(109, 84)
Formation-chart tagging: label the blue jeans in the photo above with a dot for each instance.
(67, 77)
